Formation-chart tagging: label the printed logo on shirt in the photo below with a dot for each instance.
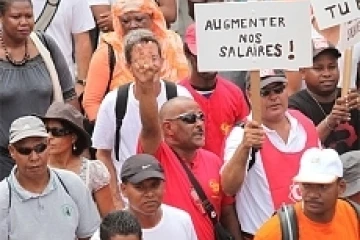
(225, 128)
(67, 210)
(342, 138)
(215, 187)
(295, 193)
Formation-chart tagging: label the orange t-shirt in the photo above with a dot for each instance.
(344, 225)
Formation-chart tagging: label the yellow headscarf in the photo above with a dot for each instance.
(175, 65)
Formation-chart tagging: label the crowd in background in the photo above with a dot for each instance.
(108, 130)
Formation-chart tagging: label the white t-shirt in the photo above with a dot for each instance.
(175, 224)
(104, 131)
(71, 17)
(254, 204)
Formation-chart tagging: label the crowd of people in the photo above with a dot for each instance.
(108, 130)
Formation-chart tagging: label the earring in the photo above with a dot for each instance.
(74, 147)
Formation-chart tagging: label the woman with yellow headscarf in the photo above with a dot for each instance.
(129, 15)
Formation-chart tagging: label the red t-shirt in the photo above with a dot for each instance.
(223, 108)
(179, 192)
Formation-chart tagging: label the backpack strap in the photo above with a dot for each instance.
(171, 90)
(112, 62)
(288, 222)
(47, 15)
(120, 110)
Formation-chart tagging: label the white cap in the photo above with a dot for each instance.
(319, 166)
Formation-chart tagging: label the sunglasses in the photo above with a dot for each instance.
(27, 151)
(58, 132)
(276, 90)
(189, 118)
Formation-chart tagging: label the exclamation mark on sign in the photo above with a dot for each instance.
(291, 51)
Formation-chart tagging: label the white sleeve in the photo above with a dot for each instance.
(232, 142)
(82, 17)
(182, 91)
(104, 130)
(99, 175)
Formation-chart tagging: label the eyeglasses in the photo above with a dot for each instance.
(58, 132)
(276, 90)
(27, 151)
(189, 118)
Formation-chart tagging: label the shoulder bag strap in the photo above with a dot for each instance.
(45, 54)
(209, 208)
(47, 14)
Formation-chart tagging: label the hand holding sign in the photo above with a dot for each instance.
(339, 113)
(254, 135)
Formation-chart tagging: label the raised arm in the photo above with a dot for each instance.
(145, 69)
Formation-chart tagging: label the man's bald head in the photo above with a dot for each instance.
(175, 106)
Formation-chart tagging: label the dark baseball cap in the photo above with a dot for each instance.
(268, 76)
(320, 45)
(140, 167)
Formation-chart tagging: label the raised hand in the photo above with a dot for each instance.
(145, 62)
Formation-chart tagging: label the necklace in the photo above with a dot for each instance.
(317, 102)
(9, 57)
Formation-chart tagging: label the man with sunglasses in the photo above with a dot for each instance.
(37, 202)
(262, 159)
(221, 100)
(175, 137)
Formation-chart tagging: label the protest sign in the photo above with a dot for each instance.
(329, 13)
(349, 34)
(248, 36)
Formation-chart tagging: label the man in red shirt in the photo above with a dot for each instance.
(177, 134)
(222, 101)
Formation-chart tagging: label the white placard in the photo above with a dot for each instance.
(329, 13)
(253, 35)
(349, 34)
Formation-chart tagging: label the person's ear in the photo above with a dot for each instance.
(248, 93)
(123, 190)
(167, 128)
(341, 187)
(302, 72)
(12, 151)
(74, 138)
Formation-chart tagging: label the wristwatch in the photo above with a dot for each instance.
(81, 82)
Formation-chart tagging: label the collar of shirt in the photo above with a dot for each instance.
(24, 194)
